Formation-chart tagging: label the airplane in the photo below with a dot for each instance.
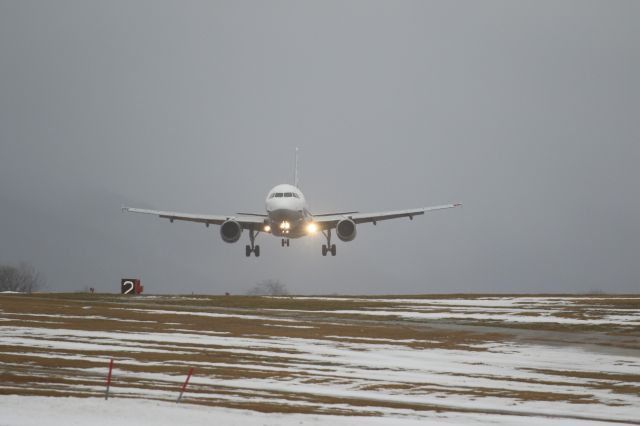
(288, 216)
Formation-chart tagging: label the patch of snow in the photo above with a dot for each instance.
(34, 411)
(87, 317)
(633, 319)
(210, 314)
(290, 326)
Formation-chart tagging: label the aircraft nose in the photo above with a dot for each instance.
(278, 204)
(279, 214)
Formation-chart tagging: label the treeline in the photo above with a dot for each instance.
(23, 278)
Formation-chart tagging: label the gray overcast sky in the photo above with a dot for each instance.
(527, 112)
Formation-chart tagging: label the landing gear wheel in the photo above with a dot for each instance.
(328, 247)
(253, 248)
(288, 240)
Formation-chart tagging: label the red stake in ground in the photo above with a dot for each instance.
(106, 395)
(186, 382)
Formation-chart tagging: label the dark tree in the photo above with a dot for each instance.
(269, 288)
(23, 278)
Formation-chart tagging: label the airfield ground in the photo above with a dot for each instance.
(450, 359)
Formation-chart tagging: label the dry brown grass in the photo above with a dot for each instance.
(45, 371)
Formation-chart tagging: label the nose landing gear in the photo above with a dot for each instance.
(326, 248)
(285, 242)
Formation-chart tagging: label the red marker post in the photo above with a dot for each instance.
(106, 395)
(184, 387)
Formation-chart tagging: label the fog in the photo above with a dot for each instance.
(526, 112)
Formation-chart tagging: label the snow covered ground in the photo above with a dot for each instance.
(529, 309)
(312, 366)
(37, 411)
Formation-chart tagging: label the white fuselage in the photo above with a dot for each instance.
(287, 211)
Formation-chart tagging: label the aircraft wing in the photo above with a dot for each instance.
(246, 221)
(330, 221)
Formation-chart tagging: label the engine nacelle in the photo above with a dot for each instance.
(346, 229)
(230, 231)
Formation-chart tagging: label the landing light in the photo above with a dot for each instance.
(312, 228)
(267, 228)
(285, 225)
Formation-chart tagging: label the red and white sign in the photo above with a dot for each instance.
(130, 286)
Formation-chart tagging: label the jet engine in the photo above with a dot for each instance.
(230, 231)
(346, 229)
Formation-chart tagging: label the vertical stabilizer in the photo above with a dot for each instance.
(296, 182)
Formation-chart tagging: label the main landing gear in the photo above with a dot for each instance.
(252, 248)
(285, 242)
(326, 248)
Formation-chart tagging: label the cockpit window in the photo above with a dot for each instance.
(273, 194)
(295, 195)
(279, 194)
(288, 194)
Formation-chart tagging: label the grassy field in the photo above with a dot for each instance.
(563, 356)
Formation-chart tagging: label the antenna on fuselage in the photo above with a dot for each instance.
(295, 172)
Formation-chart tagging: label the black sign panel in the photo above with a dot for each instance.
(130, 286)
